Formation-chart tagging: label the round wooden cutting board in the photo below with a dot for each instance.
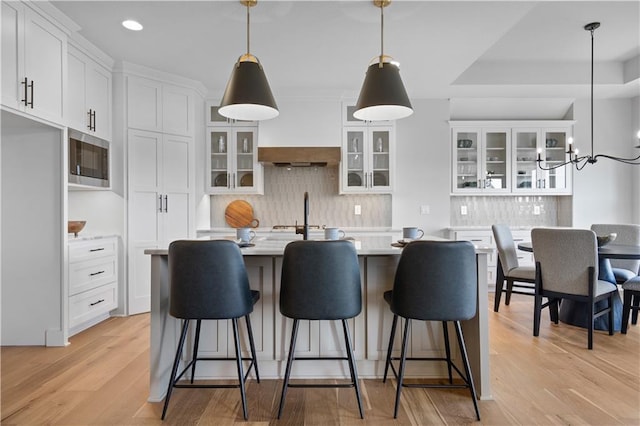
(239, 214)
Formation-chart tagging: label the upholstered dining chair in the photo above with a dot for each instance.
(627, 234)
(567, 268)
(508, 270)
(631, 302)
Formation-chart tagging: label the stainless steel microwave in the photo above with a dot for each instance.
(88, 160)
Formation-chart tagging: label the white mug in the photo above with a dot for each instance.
(412, 233)
(333, 233)
(245, 235)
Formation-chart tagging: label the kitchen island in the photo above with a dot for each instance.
(370, 330)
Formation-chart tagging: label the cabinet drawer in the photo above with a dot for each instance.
(89, 304)
(93, 249)
(478, 239)
(91, 274)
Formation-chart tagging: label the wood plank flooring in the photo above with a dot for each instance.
(102, 378)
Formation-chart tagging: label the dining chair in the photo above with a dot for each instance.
(508, 269)
(320, 282)
(567, 268)
(434, 281)
(208, 281)
(631, 302)
(627, 234)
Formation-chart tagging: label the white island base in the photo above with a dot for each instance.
(272, 332)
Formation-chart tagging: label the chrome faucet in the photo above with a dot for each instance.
(304, 230)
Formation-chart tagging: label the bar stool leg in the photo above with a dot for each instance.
(254, 359)
(292, 348)
(447, 347)
(467, 369)
(174, 370)
(391, 339)
(239, 365)
(634, 314)
(195, 350)
(352, 365)
(403, 358)
(499, 286)
(625, 311)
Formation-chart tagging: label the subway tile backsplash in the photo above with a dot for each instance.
(512, 210)
(282, 202)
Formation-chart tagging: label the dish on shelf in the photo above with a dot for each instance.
(243, 245)
(354, 179)
(246, 180)
(551, 143)
(465, 143)
(524, 184)
(470, 185)
(464, 159)
(379, 179)
(220, 180)
(493, 158)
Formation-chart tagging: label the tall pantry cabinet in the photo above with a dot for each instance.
(160, 169)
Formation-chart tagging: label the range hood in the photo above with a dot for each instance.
(300, 156)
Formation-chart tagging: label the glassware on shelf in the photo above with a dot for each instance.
(354, 145)
(221, 144)
(245, 145)
(379, 145)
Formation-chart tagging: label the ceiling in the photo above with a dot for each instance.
(447, 49)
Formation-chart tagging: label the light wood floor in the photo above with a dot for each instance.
(102, 378)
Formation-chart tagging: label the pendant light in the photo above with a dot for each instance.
(383, 96)
(582, 161)
(248, 95)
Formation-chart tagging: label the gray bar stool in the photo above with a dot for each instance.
(434, 281)
(320, 281)
(208, 281)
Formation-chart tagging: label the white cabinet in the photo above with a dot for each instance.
(232, 161)
(551, 145)
(90, 97)
(34, 63)
(499, 157)
(368, 157)
(481, 160)
(161, 202)
(93, 281)
(159, 107)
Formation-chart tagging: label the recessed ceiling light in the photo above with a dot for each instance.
(132, 25)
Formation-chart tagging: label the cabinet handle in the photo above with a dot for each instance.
(89, 114)
(32, 89)
(478, 240)
(233, 180)
(160, 200)
(26, 91)
(94, 120)
(166, 203)
(97, 249)
(95, 303)
(96, 273)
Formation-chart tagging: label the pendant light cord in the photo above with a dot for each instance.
(248, 26)
(592, 31)
(381, 36)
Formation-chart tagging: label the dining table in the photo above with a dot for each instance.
(576, 313)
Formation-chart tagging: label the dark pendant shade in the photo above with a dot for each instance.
(248, 95)
(383, 96)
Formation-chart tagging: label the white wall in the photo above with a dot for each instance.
(604, 192)
(32, 230)
(422, 168)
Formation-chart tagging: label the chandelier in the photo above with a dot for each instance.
(581, 161)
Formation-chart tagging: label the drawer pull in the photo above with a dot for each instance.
(97, 249)
(96, 273)
(95, 303)
(475, 240)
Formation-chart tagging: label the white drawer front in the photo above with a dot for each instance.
(85, 306)
(85, 250)
(91, 274)
(479, 238)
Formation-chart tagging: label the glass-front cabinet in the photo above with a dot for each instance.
(367, 159)
(481, 160)
(214, 119)
(232, 161)
(551, 146)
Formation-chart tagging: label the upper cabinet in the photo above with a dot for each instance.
(89, 95)
(368, 155)
(159, 107)
(500, 157)
(34, 63)
(481, 160)
(552, 146)
(232, 161)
